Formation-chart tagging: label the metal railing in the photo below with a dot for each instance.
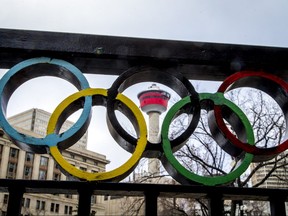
(214, 195)
(112, 56)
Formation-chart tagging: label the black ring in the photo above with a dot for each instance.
(171, 78)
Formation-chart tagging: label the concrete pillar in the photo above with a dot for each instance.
(63, 177)
(153, 131)
(154, 137)
(36, 165)
(4, 161)
(50, 168)
(20, 164)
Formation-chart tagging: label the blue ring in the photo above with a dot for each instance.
(8, 85)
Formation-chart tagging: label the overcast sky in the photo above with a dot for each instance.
(262, 22)
(253, 22)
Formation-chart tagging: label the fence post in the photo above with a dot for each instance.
(277, 205)
(216, 206)
(15, 200)
(151, 203)
(84, 202)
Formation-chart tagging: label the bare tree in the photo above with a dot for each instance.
(203, 156)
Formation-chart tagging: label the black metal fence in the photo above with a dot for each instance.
(215, 195)
(112, 56)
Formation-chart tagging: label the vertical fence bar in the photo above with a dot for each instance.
(277, 206)
(15, 200)
(84, 202)
(216, 206)
(151, 203)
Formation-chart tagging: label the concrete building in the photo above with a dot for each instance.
(36, 120)
(279, 178)
(18, 164)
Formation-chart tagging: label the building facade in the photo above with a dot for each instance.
(279, 178)
(18, 164)
(36, 120)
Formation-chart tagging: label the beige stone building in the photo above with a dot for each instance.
(18, 164)
(279, 178)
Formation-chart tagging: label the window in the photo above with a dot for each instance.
(106, 197)
(12, 167)
(69, 196)
(56, 166)
(13, 153)
(66, 209)
(83, 168)
(42, 174)
(40, 205)
(57, 208)
(43, 203)
(27, 203)
(37, 204)
(6, 197)
(52, 207)
(11, 173)
(43, 161)
(93, 199)
(1, 148)
(56, 177)
(56, 172)
(27, 172)
(29, 157)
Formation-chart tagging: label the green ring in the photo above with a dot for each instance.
(181, 171)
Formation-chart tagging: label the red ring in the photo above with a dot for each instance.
(247, 77)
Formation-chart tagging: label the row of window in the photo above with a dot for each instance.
(25, 201)
(41, 205)
(155, 96)
(72, 156)
(54, 207)
(28, 166)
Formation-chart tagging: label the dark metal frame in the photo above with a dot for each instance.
(113, 55)
(215, 195)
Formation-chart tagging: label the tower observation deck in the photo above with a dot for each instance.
(153, 100)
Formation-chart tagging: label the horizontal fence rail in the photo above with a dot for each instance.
(215, 195)
(113, 55)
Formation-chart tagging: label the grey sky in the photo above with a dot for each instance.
(261, 22)
(254, 22)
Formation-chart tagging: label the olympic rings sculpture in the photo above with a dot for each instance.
(242, 145)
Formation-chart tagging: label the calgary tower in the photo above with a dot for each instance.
(153, 102)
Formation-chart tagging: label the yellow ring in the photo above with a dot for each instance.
(117, 174)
